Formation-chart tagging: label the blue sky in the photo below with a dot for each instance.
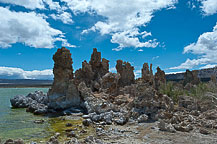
(173, 34)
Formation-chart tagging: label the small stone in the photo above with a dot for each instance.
(99, 129)
(9, 141)
(68, 130)
(19, 141)
(204, 131)
(53, 140)
(57, 135)
(39, 121)
(142, 118)
(71, 134)
(85, 116)
(83, 131)
(166, 127)
(87, 122)
(68, 125)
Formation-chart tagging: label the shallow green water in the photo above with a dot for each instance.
(17, 123)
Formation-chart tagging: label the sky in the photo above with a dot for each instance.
(173, 34)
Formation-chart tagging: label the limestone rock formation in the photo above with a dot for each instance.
(63, 93)
(126, 72)
(109, 83)
(92, 72)
(147, 74)
(159, 78)
(213, 78)
(100, 68)
(191, 77)
(148, 102)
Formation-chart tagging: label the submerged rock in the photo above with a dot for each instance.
(34, 102)
(18, 141)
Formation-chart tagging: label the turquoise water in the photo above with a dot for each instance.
(17, 123)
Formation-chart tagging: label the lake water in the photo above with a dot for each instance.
(17, 123)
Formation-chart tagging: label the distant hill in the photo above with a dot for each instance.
(203, 74)
(25, 83)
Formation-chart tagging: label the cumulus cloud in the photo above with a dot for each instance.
(205, 48)
(53, 5)
(209, 7)
(18, 73)
(30, 4)
(208, 66)
(122, 18)
(35, 4)
(65, 17)
(30, 29)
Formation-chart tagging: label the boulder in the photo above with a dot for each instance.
(142, 118)
(204, 131)
(163, 126)
(20, 101)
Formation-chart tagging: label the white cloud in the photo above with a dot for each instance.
(34, 4)
(122, 18)
(156, 57)
(209, 7)
(205, 48)
(18, 73)
(53, 5)
(174, 72)
(191, 4)
(30, 29)
(30, 4)
(208, 66)
(137, 73)
(140, 50)
(65, 17)
(113, 69)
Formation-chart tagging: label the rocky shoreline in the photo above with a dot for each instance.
(113, 103)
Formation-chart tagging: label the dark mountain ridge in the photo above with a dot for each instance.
(25, 83)
(203, 74)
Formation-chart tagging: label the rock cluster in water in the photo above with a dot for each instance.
(106, 97)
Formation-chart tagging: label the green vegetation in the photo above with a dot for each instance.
(175, 89)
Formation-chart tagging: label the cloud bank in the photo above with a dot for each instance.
(18, 73)
(205, 48)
